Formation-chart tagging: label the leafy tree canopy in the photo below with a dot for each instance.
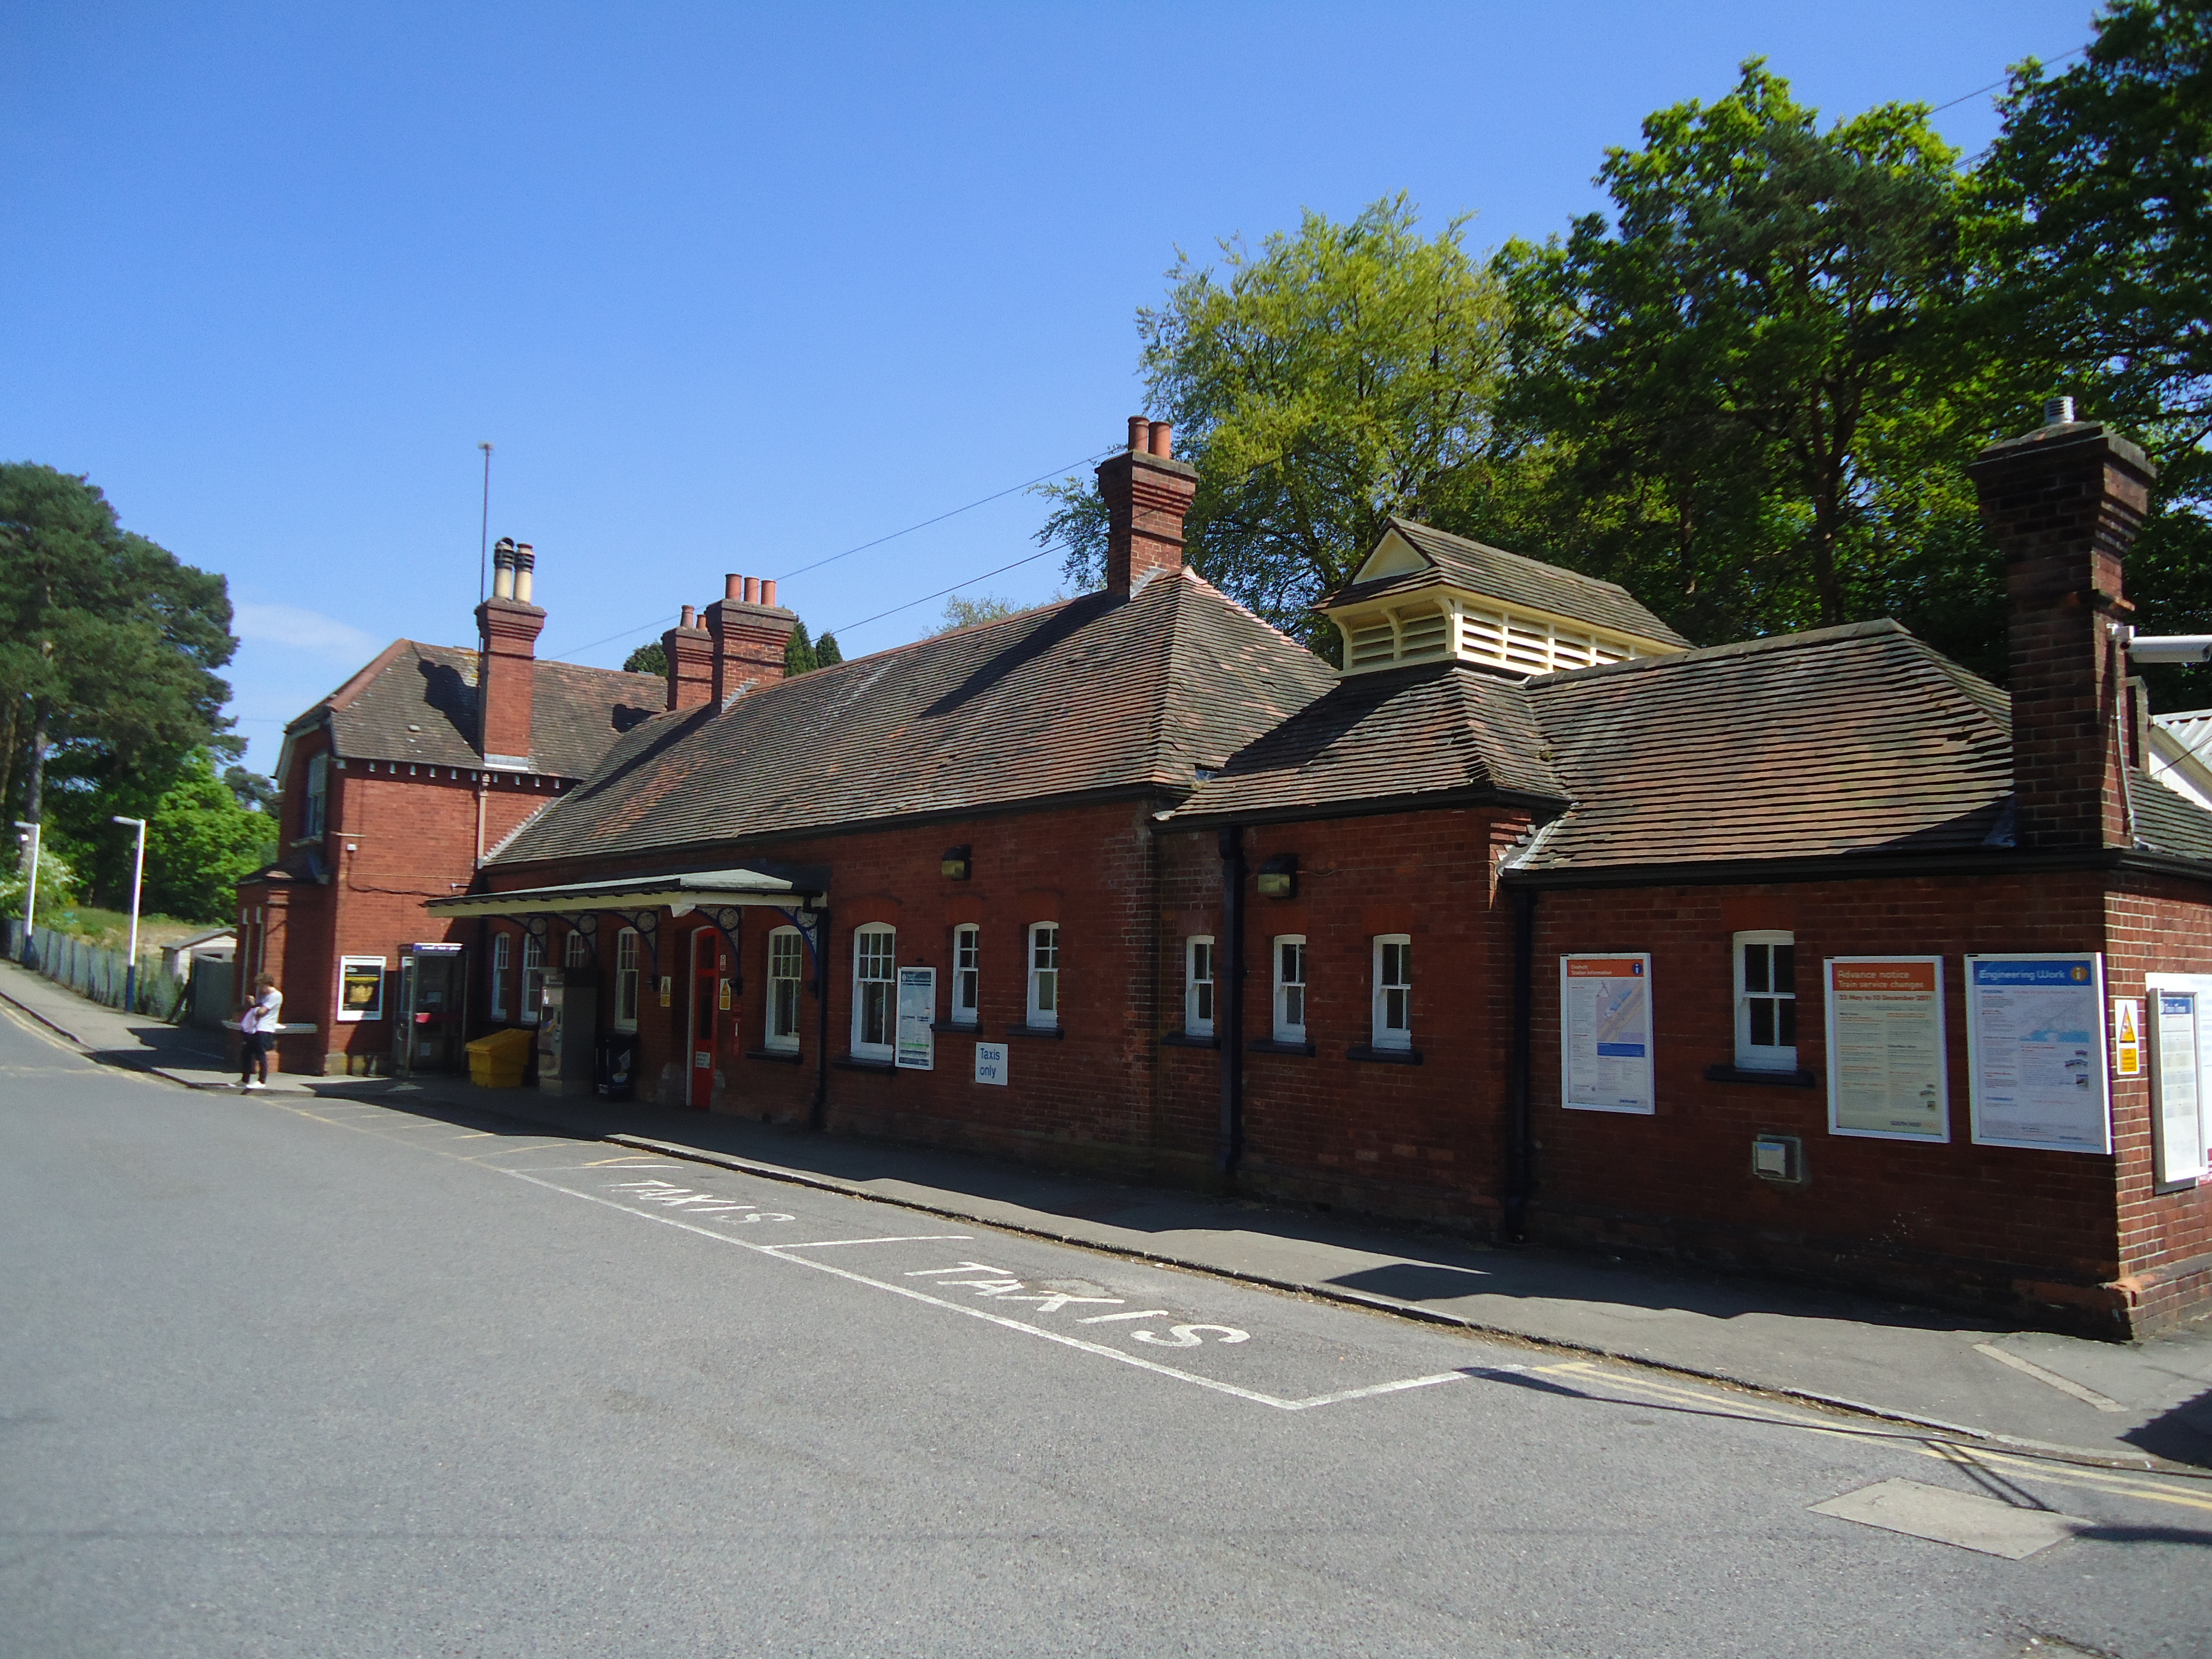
(108, 643)
(650, 658)
(1333, 377)
(826, 653)
(966, 613)
(1747, 374)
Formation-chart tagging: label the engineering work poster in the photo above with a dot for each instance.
(2035, 1033)
(2175, 1038)
(1886, 1053)
(1605, 1033)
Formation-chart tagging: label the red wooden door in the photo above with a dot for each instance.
(709, 966)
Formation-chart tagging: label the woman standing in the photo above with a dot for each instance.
(259, 1022)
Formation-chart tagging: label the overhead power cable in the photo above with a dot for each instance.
(847, 627)
(1994, 85)
(1029, 483)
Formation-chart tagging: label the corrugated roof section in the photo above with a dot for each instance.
(1089, 694)
(1516, 579)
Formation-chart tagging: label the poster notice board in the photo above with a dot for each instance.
(1605, 1032)
(1886, 1072)
(917, 1014)
(360, 989)
(2177, 1090)
(2035, 1036)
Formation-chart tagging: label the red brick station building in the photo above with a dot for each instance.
(1814, 955)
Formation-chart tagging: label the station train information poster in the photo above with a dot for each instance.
(1886, 1051)
(1605, 1033)
(2035, 1036)
(2179, 1006)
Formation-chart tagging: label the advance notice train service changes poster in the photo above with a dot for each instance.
(1605, 1033)
(2035, 1031)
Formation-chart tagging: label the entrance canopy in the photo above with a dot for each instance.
(783, 886)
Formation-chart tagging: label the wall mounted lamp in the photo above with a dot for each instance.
(1279, 877)
(954, 866)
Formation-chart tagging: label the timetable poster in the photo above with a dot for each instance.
(1885, 1056)
(1605, 1033)
(917, 1016)
(2180, 1144)
(2035, 1030)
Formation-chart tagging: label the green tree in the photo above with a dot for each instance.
(108, 643)
(200, 843)
(1750, 371)
(2096, 239)
(253, 792)
(800, 656)
(651, 658)
(966, 613)
(1334, 378)
(826, 653)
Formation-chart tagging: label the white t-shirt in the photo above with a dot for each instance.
(264, 1015)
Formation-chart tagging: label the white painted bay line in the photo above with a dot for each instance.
(1399, 1386)
(913, 1294)
(2087, 1396)
(1108, 1319)
(907, 1238)
(543, 1147)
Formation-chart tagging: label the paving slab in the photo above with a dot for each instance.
(1916, 1364)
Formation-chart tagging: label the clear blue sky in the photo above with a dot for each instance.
(735, 288)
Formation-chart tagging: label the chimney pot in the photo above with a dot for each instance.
(752, 590)
(689, 617)
(525, 562)
(1141, 431)
(767, 591)
(2057, 411)
(732, 586)
(502, 566)
(1163, 439)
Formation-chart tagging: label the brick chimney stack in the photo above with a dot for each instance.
(690, 656)
(2063, 503)
(1148, 494)
(750, 631)
(508, 626)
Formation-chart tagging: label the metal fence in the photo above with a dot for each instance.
(99, 976)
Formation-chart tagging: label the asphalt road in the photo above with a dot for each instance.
(283, 1376)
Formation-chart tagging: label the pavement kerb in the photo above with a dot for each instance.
(2082, 1455)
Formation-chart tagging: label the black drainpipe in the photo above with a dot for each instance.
(1230, 1000)
(817, 1114)
(1521, 1152)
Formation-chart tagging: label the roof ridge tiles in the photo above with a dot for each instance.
(1704, 654)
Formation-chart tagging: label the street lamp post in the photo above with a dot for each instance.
(137, 878)
(30, 896)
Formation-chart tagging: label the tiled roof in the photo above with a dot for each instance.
(1091, 693)
(1516, 579)
(1853, 739)
(418, 703)
(1396, 736)
(2168, 822)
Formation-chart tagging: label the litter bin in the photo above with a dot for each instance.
(498, 1061)
(617, 1065)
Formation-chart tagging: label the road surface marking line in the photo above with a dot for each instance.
(1108, 1319)
(914, 1294)
(2116, 1483)
(1399, 1386)
(910, 1238)
(2087, 1396)
(964, 1267)
(544, 1147)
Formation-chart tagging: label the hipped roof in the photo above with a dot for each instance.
(418, 703)
(1088, 696)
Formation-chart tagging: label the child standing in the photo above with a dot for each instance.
(258, 1024)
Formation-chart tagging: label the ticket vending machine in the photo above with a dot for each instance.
(433, 1002)
(568, 1052)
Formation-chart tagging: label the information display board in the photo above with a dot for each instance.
(2176, 1084)
(2035, 1036)
(360, 989)
(917, 1012)
(1605, 1032)
(1887, 1078)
